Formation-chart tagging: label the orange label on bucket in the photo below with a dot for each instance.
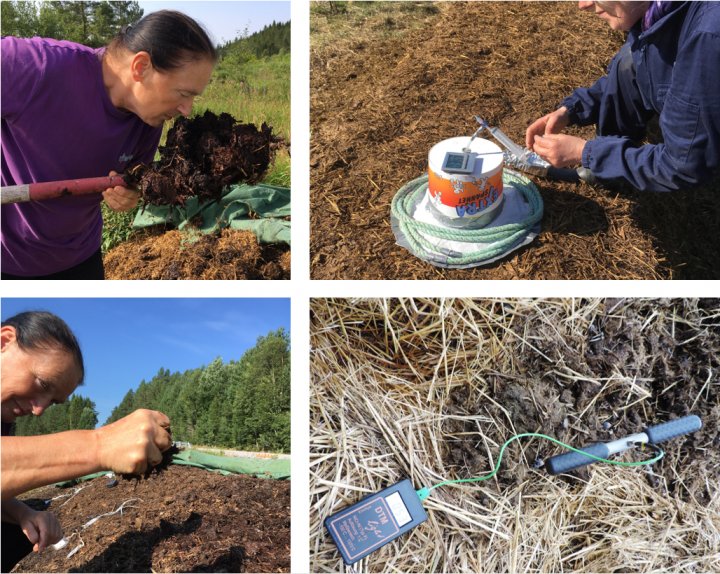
(467, 197)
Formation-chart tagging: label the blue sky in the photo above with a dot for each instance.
(127, 340)
(226, 20)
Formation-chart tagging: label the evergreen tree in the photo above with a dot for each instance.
(88, 418)
(263, 392)
(77, 413)
(90, 23)
(272, 39)
(125, 407)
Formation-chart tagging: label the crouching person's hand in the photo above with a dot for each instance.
(41, 528)
(134, 443)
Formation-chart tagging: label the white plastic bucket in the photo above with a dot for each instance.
(456, 196)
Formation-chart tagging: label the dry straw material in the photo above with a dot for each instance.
(429, 389)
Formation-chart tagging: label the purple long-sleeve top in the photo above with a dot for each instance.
(58, 122)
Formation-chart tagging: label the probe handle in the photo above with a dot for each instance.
(563, 174)
(571, 460)
(586, 175)
(672, 429)
(655, 434)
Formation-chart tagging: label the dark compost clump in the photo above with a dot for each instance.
(166, 461)
(201, 157)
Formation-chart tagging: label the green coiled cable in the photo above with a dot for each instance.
(502, 237)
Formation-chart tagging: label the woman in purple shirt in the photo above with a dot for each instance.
(70, 112)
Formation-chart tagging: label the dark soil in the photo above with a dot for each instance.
(202, 156)
(183, 520)
(390, 80)
(229, 254)
(674, 371)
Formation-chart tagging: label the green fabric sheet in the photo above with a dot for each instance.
(278, 468)
(259, 208)
(259, 467)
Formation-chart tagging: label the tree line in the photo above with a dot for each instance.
(241, 404)
(272, 39)
(93, 24)
(77, 413)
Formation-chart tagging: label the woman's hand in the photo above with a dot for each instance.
(41, 528)
(120, 198)
(552, 123)
(134, 443)
(559, 149)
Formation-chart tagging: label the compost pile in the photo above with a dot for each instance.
(430, 389)
(228, 254)
(182, 519)
(391, 79)
(201, 157)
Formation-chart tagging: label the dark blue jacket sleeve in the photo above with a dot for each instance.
(690, 124)
(681, 83)
(584, 103)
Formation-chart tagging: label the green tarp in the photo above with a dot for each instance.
(259, 208)
(259, 467)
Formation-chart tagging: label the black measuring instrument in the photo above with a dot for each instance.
(376, 520)
(380, 518)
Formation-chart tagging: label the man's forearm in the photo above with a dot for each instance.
(33, 461)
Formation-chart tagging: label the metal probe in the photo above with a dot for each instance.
(530, 162)
(651, 435)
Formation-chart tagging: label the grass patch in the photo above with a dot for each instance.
(117, 227)
(279, 172)
(256, 91)
(388, 19)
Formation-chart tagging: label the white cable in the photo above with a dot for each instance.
(118, 509)
(62, 543)
(78, 489)
(74, 550)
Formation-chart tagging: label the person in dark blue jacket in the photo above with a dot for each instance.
(669, 67)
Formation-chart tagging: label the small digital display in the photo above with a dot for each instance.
(456, 160)
(398, 509)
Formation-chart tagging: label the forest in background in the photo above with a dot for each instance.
(241, 404)
(96, 23)
(90, 23)
(78, 412)
(271, 40)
